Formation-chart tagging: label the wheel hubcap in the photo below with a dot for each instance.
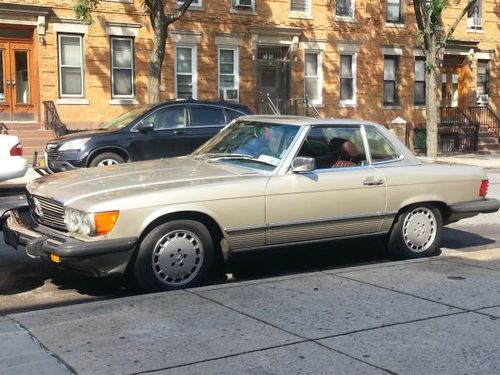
(177, 258)
(106, 162)
(419, 229)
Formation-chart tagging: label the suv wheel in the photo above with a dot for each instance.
(105, 159)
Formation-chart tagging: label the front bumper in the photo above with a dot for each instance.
(463, 210)
(97, 258)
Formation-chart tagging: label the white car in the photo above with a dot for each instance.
(11, 159)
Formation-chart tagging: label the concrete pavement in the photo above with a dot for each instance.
(435, 315)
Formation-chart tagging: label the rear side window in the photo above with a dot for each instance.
(380, 148)
(233, 114)
(207, 116)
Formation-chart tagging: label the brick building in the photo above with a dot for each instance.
(354, 58)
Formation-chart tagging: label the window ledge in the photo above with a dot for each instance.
(72, 101)
(243, 12)
(123, 101)
(196, 8)
(347, 104)
(419, 107)
(475, 31)
(300, 15)
(385, 106)
(396, 25)
(345, 19)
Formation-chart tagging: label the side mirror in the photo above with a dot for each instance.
(146, 126)
(303, 164)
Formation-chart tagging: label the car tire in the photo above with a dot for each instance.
(105, 159)
(174, 255)
(416, 232)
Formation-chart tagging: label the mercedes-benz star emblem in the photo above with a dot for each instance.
(38, 207)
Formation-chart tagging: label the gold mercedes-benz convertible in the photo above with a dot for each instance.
(263, 181)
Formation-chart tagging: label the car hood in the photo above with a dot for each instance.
(99, 185)
(79, 135)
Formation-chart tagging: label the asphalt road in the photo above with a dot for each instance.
(27, 284)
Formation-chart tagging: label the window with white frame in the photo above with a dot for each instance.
(313, 74)
(195, 3)
(344, 8)
(302, 6)
(122, 67)
(483, 80)
(185, 72)
(70, 65)
(243, 4)
(475, 16)
(228, 73)
(391, 74)
(419, 96)
(394, 12)
(348, 79)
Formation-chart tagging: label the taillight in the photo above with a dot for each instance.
(17, 150)
(483, 190)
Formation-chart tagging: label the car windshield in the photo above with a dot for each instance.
(252, 144)
(124, 119)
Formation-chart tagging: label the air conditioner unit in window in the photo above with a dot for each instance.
(230, 95)
(474, 23)
(243, 4)
(482, 99)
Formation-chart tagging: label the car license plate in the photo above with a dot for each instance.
(41, 163)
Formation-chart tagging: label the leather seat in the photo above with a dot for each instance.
(348, 152)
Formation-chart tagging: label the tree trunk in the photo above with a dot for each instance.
(156, 60)
(431, 100)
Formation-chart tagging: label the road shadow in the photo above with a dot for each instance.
(458, 239)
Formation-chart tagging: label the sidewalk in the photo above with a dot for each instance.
(436, 315)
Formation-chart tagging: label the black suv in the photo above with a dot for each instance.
(168, 129)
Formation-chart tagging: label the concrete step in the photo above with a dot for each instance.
(489, 147)
(34, 142)
(488, 140)
(13, 126)
(41, 133)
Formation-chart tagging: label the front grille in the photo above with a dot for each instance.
(52, 153)
(47, 212)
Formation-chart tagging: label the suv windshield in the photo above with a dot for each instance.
(250, 143)
(124, 119)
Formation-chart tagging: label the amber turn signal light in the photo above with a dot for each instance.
(55, 258)
(105, 222)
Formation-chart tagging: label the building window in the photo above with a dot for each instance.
(70, 65)
(475, 16)
(347, 79)
(313, 74)
(302, 6)
(228, 74)
(122, 67)
(244, 4)
(195, 3)
(419, 98)
(185, 72)
(391, 73)
(394, 11)
(483, 81)
(344, 8)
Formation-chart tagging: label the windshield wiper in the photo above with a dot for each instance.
(223, 155)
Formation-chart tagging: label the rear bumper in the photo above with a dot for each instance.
(463, 210)
(97, 258)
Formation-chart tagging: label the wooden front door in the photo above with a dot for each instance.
(16, 81)
(449, 87)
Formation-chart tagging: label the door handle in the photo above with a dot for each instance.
(7, 82)
(179, 132)
(13, 83)
(370, 181)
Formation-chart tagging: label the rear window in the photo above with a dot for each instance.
(207, 116)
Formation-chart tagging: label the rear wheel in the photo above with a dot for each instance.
(174, 255)
(417, 232)
(105, 159)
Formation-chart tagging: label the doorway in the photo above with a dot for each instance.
(449, 87)
(273, 72)
(16, 77)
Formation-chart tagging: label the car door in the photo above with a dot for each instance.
(169, 136)
(343, 196)
(205, 121)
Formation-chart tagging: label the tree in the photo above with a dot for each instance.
(434, 38)
(160, 23)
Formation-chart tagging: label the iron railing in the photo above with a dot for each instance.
(486, 118)
(3, 128)
(457, 132)
(296, 107)
(52, 119)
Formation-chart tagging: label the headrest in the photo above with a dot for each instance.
(348, 149)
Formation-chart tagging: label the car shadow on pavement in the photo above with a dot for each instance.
(458, 239)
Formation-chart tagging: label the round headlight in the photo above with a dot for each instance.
(86, 224)
(72, 220)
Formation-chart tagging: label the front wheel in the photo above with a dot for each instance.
(417, 232)
(105, 159)
(174, 255)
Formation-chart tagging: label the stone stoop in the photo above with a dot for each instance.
(33, 137)
(488, 142)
